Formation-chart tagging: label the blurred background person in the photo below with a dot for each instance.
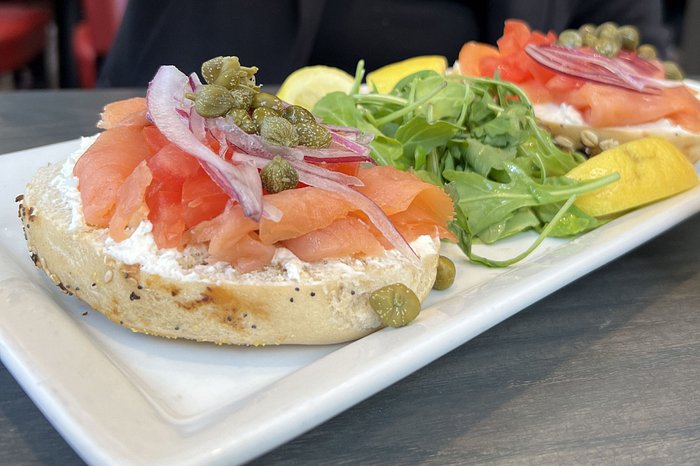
(283, 35)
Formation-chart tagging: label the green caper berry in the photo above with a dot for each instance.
(629, 37)
(260, 113)
(607, 46)
(446, 272)
(248, 125)
(229, 74)
(296, 114)
(647, 52)
(211, 69)
(313, 135)
(212, 100)
(395, 304)
(276, 130)
(263, 99)
(242, 120)
(238, 115)
(242, 97)
(607, 29)
(588, 39)
(672, 71)
(570, 39)
(278, 175)
(587, 28)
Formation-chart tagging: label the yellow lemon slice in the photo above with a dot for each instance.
(307, 85)
(385, 78)
(650, 169)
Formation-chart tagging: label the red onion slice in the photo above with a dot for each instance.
(254, 145)
(624, 73)
(164, 96)
(342, 129)
(350, 145)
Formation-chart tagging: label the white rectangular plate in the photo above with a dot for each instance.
(119, 397)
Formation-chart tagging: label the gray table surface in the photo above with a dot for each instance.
(604, 371)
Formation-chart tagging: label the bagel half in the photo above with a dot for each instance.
(571, 133)
(289, 302)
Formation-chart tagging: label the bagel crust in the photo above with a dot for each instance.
(320, 303)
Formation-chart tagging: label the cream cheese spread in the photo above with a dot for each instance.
(568, 115)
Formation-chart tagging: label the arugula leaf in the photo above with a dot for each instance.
(484, 202)
(418, 133)
(483, 157)
(504, 130)
(520, 220)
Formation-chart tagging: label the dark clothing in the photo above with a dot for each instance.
(282, 35)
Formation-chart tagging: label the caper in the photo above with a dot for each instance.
(260, 113)
(223, 70)
(276, 130)
(212, 100)
(607, 46)
(395, 304)
(587, 29)
(629, 37)
(248, 125)
(313, 135)
(647, 52)
(278, 175)
(237, 115)
(445, 274)
(588, 39)
(242, 97)
(672, 71)
(241, 119)
(211, 69)
(296, 114)
(607, 29)
(228, 72)
(263, 99)
(570, 38)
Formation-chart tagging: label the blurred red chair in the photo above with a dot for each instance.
(23, 34)
(93, 36)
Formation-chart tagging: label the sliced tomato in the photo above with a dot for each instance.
(154, 138)
(471, 56)
(166, 216)
(202, 199)
(172, 165)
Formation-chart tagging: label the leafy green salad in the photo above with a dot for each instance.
(477, 138)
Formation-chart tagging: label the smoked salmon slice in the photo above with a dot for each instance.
(604, 106)
(394, 191)
(131, 207)
(104, 167)
(345, 237)
(128, 112)
(303, 210)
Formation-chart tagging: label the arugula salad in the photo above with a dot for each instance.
(477, 138)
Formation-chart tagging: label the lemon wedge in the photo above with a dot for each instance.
(385, 78)
(306, 86)
(650, 169)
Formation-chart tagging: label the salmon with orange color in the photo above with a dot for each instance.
(132, 173)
